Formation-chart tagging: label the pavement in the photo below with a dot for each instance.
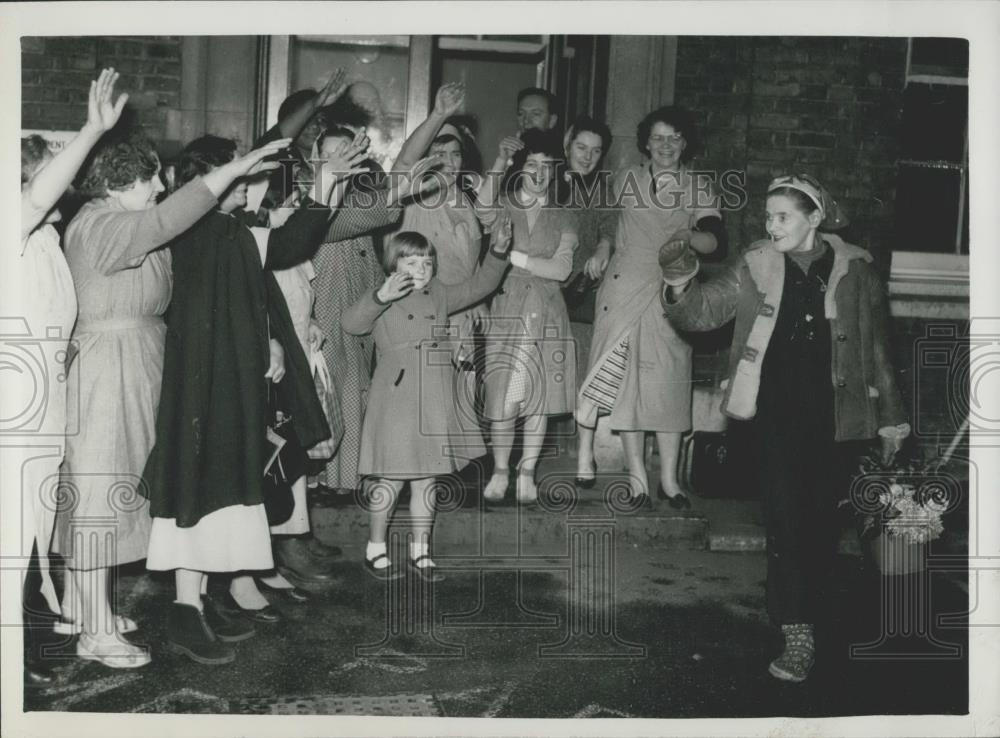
(572, 608)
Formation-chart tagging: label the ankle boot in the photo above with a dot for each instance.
(794, 663)
(188, 633)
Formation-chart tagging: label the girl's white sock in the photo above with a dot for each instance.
(376, 549)
(418, 549)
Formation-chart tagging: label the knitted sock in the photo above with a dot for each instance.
(375, 549)
(800, 650)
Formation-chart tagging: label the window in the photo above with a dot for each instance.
(932, 173)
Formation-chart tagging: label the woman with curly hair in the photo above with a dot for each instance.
(640, 368)
(123, 284)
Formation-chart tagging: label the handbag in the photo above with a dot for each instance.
(324, 390)
(278, 500)
(718, 464)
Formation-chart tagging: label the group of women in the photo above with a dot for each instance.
(200, 321)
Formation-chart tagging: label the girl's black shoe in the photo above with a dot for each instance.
(429, 574)
(229, 606)
(385, 574)
(680, 501)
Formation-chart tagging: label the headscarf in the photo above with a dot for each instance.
(832, 215)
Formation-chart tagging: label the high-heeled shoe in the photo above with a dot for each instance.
(680, 501)
(588, 482)
(267, 615)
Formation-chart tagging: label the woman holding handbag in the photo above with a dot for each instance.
(205, 473)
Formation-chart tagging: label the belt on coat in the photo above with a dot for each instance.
(102, 325)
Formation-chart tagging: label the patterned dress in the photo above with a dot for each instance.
(347, 265)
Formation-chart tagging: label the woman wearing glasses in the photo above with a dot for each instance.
(639, 371)
(810, 362)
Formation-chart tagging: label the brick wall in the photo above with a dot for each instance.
(56, 74)
(828, 106)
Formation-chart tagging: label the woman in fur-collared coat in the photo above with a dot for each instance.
(810, 362)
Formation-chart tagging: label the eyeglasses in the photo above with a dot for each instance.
(674, 139)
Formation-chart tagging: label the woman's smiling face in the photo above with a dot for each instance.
(584, 152)
(666, 145)
(788, 226)
(537, 173)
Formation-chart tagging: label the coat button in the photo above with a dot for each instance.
(841, 337)
(434, 345)
(614, 276)
(605, 308)
(841, 383)
(362, 253)
(410, 316)
(427, 292)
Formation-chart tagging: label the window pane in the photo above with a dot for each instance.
(492, 81)
(381, 68)
(934, 121)
(926, 209)
(940, 56)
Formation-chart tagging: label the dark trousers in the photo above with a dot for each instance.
(802, 474)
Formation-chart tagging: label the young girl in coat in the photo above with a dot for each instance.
(810, 362)
(412, 430)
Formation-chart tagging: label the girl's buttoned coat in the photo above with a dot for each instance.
(413, 426)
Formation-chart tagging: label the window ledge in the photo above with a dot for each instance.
(929, 285)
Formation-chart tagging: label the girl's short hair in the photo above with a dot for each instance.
(678, 119)
(202, 156)
(118, 163)
(34, 148)
(407, 243)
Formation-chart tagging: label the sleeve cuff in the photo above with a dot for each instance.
(519, 259)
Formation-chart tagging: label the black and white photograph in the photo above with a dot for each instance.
(390, 368)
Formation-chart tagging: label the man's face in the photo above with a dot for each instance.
(533, 112)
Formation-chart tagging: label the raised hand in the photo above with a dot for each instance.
(503, 233)
(509, 146)
(597, 263)
(396, 286)
(408, 183)
(102, 114)
(449, 99)
(219, 179)
(346, 160)
(333, 89)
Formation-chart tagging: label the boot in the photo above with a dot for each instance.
(794, 663)
(227, 628)
(298, 566)
(189, 634)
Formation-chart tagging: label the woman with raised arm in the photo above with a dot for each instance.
(530, 362)
(640, 368)
(122, 273)
(205, 472)
(38, 288)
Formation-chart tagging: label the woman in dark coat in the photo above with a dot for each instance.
(205, 473)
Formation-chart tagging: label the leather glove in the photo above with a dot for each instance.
(678, 262)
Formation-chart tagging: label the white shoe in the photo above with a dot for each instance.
(112, 651)
(527, 490)
(123, 624)
(496, 488)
